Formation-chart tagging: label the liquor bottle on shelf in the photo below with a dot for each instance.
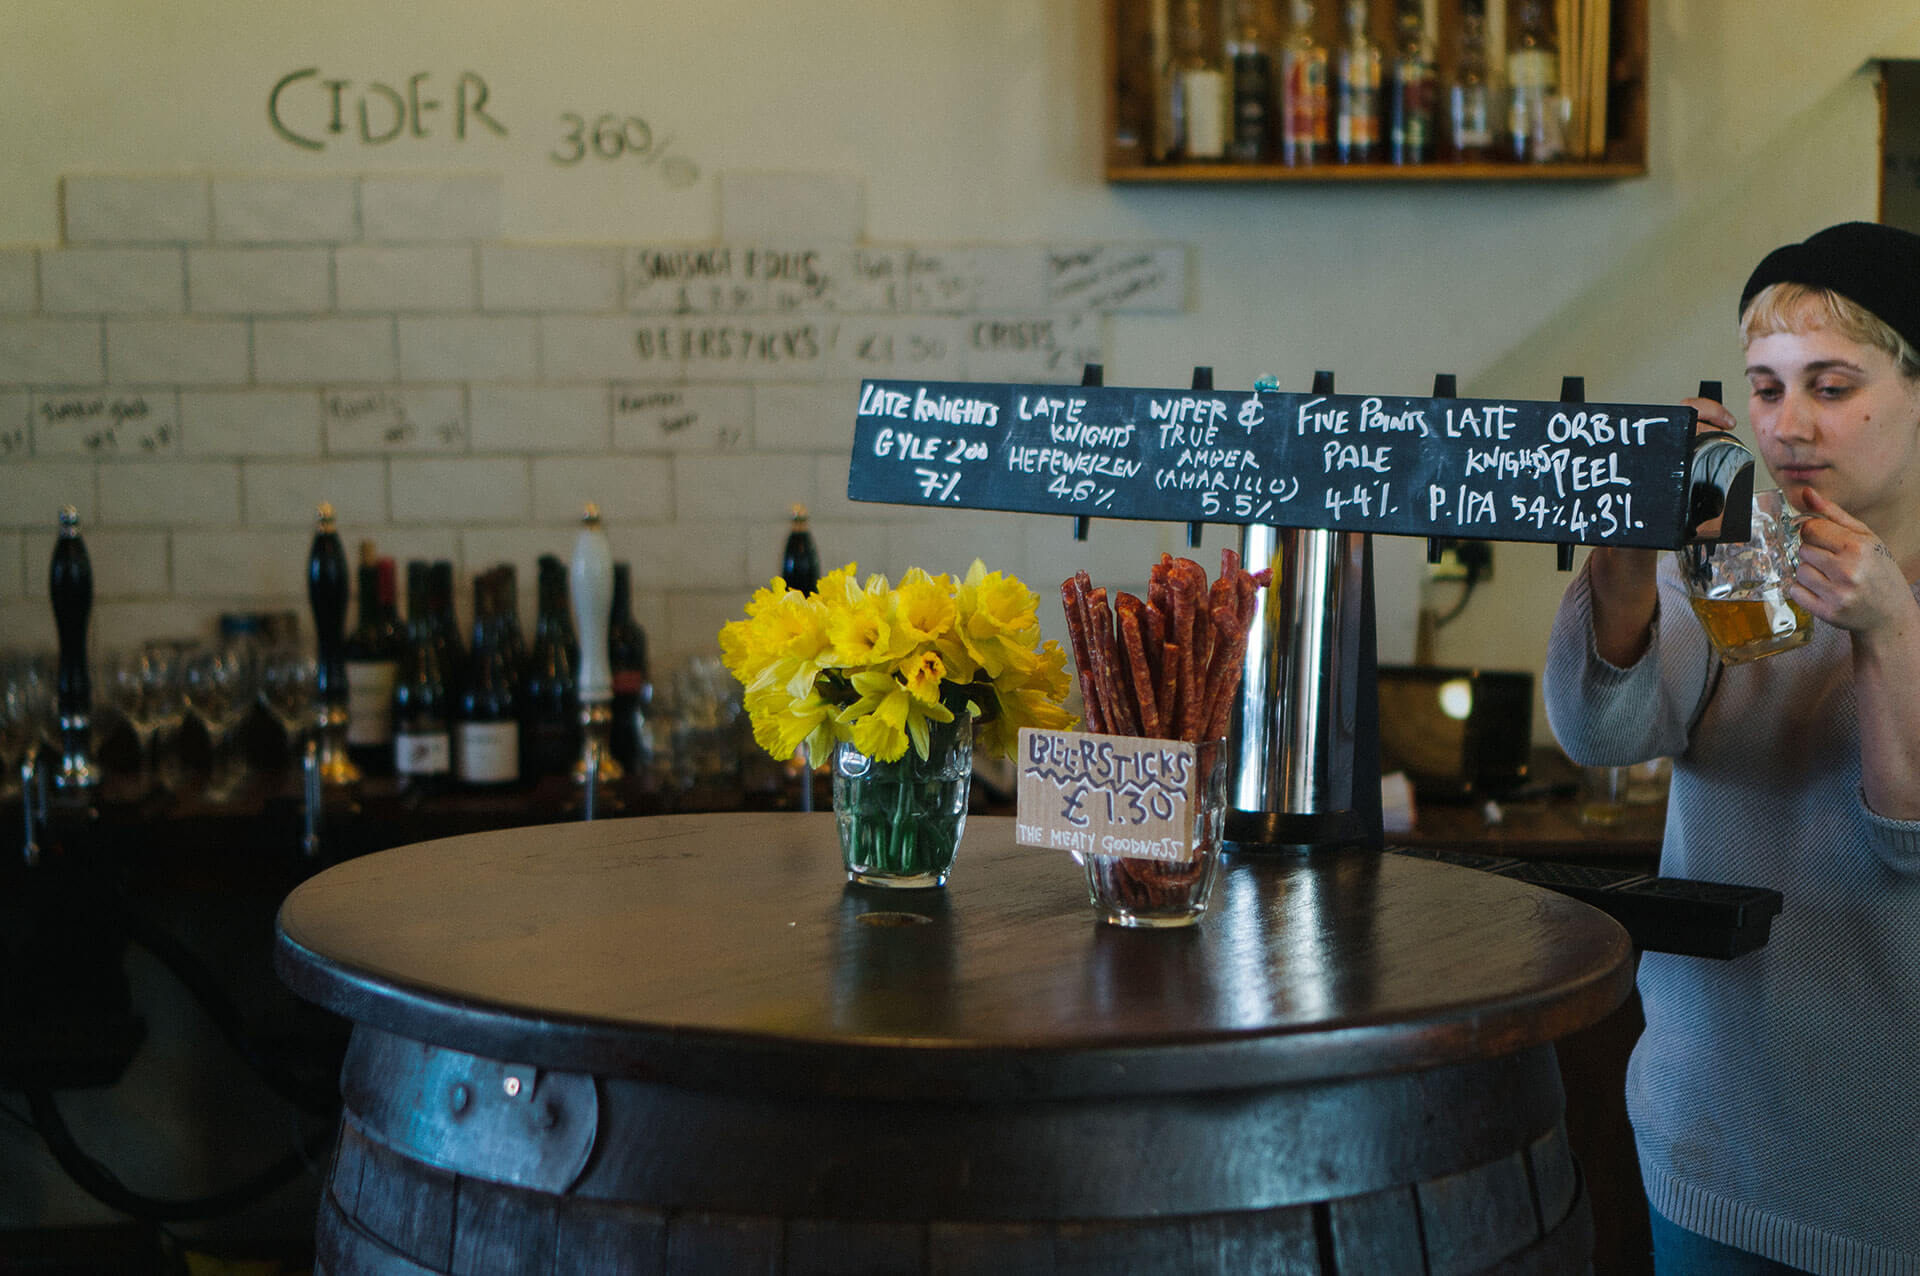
(1410, 127)
(1303, 91)
(1357, 75)
(1250, 59)
(372, 662)
(1197, 80)
(550, 739)
(632, 686)
(800, 560)
(1535, 131)
(1470, 93)
(487, 728)
(422, 733)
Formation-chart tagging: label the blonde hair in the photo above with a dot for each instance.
(1798, 308)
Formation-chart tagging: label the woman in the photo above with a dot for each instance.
(1776, 1097)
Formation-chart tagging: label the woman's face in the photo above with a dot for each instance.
(1835, 415)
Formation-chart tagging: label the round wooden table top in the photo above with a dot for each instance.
(729, 950)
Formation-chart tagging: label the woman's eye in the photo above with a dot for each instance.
(1833, 390)
(1766, 393)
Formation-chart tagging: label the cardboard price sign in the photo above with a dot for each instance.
(1126, 797)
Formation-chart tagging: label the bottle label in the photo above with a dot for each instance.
(489, 752)
(1204, 95)
(1252, 104)
(422, 753)
(1304, 119)
(370, 701)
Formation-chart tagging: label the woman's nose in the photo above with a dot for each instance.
(1795, 421)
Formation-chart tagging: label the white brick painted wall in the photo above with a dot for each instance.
(285, 210)
(203, 360)
(270, 281)
(19, 273)
(136, 210)
(405, 277)
(113, 281)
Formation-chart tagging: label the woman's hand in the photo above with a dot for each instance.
(1848, 577)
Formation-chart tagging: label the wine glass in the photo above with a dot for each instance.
(19, 719)
(289, 687)
(220, 688)
(143, 686)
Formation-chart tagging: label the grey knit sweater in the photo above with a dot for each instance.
(1775, 1098)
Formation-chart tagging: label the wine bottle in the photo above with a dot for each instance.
(1469, 96)
(446, 628)
(1197, 79)
(1250, 57)
(1534, 129)
(372, 661)
(507, 581)
(70, 585)
(1410, 130)
(422, 740)
(550, 740)
(632, 687)
(1357, 125)
(487, 751)
(1303, 91)
(800, 561)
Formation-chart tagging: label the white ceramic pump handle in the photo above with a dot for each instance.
(590, 582)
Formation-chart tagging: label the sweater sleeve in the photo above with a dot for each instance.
(1604, 715)
(1897, 841)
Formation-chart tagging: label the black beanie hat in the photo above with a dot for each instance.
(1874, 266)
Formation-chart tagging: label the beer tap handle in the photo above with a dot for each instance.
(327, 593)
(70, 584)
(1719, 480)
(1092, 374)
(590, 582)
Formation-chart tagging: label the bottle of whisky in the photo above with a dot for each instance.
(1410, 126)
(1357, 74)
(1250, 58)
(487, 744)
(1470, 95)
(1303, 92)
(422, 730)
(1535, 131)
(372, 663)
(1197, 79)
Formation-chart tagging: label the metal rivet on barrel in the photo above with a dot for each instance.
(459, 1097)
(512, 1086)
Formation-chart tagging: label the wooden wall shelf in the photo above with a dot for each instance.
(1129, 96)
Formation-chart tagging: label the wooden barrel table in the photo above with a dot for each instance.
(684, 1044)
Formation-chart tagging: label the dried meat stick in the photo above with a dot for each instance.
(1136, 658)
(1167, 694)
(1071, 600)
(1113, 688)
(1186, 677)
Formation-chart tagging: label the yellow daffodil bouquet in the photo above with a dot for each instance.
(876, 665)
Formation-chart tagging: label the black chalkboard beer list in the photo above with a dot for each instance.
(1512, 470)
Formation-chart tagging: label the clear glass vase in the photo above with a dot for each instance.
(1163, 893)
(900, 822)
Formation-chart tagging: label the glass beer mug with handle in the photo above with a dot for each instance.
(1740, 589)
